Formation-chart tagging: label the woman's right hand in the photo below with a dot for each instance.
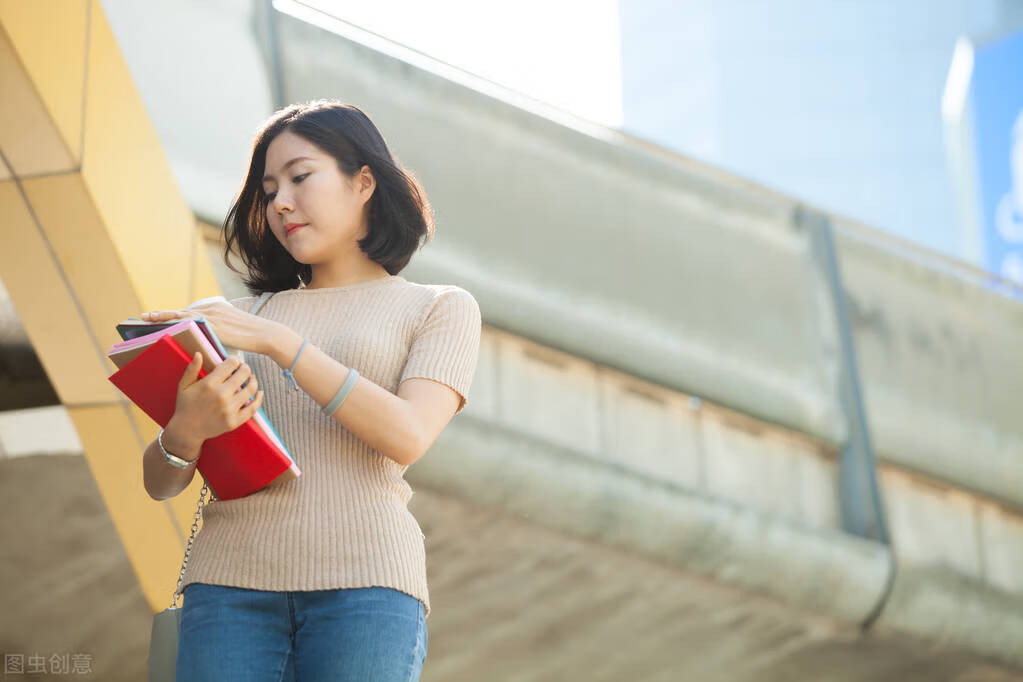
(216, 403)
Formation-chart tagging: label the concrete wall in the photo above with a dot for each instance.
(687, 277)
(600, 245)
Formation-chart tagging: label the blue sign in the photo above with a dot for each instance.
(996, 101)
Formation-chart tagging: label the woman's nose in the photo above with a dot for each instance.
(282, 203)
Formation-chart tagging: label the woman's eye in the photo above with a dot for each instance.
(298, 178)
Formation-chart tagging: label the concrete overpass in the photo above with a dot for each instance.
(688, 388)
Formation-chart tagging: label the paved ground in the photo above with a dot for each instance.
(68, 586)
(511, 602)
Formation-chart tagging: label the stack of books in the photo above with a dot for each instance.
(151, 360)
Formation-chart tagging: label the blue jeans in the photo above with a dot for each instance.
(360, 634)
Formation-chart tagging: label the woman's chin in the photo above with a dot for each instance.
(303, 253)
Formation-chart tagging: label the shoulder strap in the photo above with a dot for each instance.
(263, 298)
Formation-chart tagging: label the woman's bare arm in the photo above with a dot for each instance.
(376, 416)
(163, 481)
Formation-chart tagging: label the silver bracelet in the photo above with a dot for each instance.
(173, 460)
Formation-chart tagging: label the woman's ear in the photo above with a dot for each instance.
(365, 183)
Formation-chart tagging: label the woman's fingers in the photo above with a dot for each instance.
(239, 377)
(163, 315)
(239, 397)
(248, 408)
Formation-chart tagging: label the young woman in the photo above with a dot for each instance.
(322, 577)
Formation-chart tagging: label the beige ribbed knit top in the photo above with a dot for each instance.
(345, 521)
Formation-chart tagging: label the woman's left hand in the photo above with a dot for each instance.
(234, 327)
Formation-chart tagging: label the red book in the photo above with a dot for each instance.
(236, 463)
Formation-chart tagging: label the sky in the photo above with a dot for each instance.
(522, 46)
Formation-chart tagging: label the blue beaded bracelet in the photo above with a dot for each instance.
(289, 374)
(342, 393)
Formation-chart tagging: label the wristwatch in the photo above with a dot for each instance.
(171, 459)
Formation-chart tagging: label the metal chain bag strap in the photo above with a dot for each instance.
(163, 643)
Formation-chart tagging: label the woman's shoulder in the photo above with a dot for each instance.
(438, 290)
(446, 302)
(425, 295)
(447, 294)
(245, 302)
(241, 302)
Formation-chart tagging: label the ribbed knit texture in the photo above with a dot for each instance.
(345, 521)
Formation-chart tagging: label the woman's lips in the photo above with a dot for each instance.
(294, 227)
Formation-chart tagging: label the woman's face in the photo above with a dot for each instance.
(313, 191)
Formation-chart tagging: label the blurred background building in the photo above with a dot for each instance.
(723, 426)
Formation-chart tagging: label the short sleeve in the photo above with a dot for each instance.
(447, 343)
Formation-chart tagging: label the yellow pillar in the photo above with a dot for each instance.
(94, 229)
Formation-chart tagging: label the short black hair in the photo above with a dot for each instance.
(400, 216)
